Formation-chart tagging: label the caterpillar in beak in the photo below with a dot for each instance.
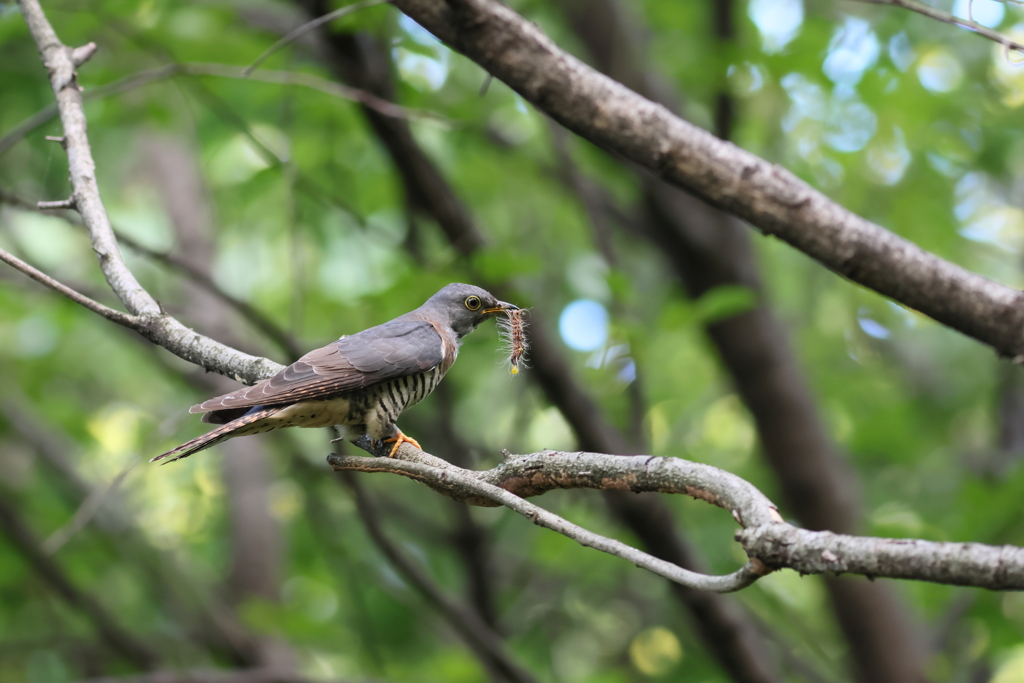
(512, 330)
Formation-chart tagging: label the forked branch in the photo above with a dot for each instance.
(770, 542)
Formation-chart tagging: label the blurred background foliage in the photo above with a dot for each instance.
(910, 123)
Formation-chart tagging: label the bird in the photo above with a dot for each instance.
(360, 383)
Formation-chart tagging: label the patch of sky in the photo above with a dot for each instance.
(422, 71)
(615, 356)
(944, 165)
(985, 216)
(583, 325)
(808, 100)
(844, 123)
(1007, 69)
(853, 49)
(745, 79)
(889, 161)
(416, 32)
(851, 126)
(872, 327)
(985, 12)
(939, 71)
(901, 54)
(778, 21)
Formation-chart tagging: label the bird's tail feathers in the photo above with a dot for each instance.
(222, 433)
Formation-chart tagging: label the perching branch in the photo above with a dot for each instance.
(475, 489)
(768, 196)
(770, 542)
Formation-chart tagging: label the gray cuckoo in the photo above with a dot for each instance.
(361, 383)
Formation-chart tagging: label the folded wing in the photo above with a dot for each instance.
(379, 354)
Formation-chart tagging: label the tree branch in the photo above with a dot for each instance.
(819, 552)
(770, 197)
(533, 475)
(151, 323)
(42, 278)
(481, 638)
(769, 541)
(254, 675)
(147, 76)
(953, 20)
(47, 569)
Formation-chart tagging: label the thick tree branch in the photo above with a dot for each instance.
(765, 537)
(475, 489)
(151, 322)
(709, 249)
(770, 197)
(722, 625)
(818, 552)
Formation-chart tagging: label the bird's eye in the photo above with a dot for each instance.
(473, 303)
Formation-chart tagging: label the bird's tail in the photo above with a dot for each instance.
(222, 433)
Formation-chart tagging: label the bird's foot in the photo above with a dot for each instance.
(398, 439)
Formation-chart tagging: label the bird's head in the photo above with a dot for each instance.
(464, 307)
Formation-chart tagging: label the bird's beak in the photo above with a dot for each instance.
(502, 306)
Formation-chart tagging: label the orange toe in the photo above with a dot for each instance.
(398, 439)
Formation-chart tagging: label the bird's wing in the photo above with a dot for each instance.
(379, 354)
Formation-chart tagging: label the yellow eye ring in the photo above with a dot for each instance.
(473, 302)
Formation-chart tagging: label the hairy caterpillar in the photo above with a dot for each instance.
(512, 330)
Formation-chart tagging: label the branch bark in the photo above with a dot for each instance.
(619, 120)
(150, 321)
(473, 489)
(767, 539)
(708, 249)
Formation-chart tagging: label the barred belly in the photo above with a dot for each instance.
(385, 402)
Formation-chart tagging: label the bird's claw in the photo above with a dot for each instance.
(398, 439)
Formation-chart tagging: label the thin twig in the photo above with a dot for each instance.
(47, 569)
(85, 512)
(147, 76)
(151, 322)
(480, 637)
(306, 28)
(118, 317)
(953, 20)
(255, 317)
